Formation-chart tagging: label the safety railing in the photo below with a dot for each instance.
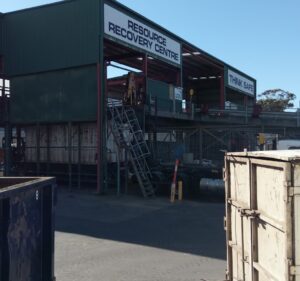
(241, 114)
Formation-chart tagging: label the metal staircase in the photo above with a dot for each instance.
(128, 134)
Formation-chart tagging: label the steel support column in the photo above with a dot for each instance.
(145, 70)
(200, 145)
(19, 143)
(222, 92)
(7, 149)
(155, 129)
(70, 150)
(245, 101)
(101, 130)
(101, 110)
(79, 157)
(48, 129)
(7, 131)
(38, 149)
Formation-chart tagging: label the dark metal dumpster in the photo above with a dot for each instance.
(27, 229)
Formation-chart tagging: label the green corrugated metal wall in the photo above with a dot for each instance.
(1, 34)
(52, 37)
(161, 91)
(59, 96)
(50, 53)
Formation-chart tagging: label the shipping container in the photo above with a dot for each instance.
(263, 215)
(60, 144)
(27, 229)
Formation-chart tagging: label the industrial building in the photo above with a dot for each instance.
(67, 113)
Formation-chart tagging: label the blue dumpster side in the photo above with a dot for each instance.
(27, 212)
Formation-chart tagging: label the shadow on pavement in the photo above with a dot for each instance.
(189, 227)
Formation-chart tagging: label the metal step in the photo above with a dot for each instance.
(137, 147)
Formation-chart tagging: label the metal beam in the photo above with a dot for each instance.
(200, 145)
(116, 58)
(48, 134)
(222, 92)
(101, 111)
(215, 137)
(100, 119)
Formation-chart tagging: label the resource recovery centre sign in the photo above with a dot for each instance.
(241, 83)
(122, 27)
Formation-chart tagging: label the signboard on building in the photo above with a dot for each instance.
(178, 93)
(131, 31)
(241, 83)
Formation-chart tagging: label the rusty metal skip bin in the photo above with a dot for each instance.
(27, 229)
(263, 215)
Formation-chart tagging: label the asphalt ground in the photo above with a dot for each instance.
(128, 238)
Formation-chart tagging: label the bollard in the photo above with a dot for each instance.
(173, 185)
(180, 190)
(173, 192)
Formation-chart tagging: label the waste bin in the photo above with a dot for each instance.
(27, 229)
(263, 215)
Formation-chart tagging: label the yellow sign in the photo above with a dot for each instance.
(261, 138)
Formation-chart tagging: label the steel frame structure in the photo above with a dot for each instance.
(197, 63)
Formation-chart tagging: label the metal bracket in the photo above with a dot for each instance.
(224, 174)
(293, 191)
(249, 213)
(295, 270)
(227, 275)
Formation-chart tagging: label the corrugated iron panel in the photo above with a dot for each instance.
(52, 37)
(1, 34)
(59, 144)
(164, 93)
(58, 96)
(161, 91)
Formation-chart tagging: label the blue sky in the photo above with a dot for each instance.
(259, 37)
